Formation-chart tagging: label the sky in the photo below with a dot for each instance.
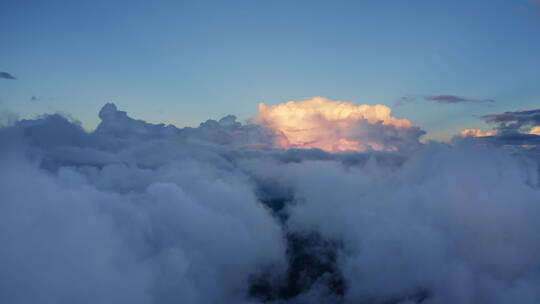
(183, 62)
(325, 187)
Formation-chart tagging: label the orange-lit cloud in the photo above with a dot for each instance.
(477, 133)
(337, 126)
(535, 130)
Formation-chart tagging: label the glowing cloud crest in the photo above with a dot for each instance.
(477, 133)
(535, 130)
(337, 126)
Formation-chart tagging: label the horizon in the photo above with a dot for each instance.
(184, 62)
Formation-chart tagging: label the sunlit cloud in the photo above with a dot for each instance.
(477, 133)
(337, 126)
(535, 130)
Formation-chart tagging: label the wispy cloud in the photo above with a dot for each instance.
(6, 75)
(455, 99)
(404, 100)
(442, 99)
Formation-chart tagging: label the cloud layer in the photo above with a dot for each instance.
(147, 213)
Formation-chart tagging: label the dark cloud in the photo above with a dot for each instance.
(455, 99)
(443, 99)
(6, 75)
(527, 144)
(135, 212)
(517, 131)
(509, 122)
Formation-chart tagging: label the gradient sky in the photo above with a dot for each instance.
(183, 62)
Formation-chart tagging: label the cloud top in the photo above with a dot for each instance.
(337, 126)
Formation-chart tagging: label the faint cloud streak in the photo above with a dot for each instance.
(6, 75)
(455, 99)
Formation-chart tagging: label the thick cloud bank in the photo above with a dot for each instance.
(141, 213)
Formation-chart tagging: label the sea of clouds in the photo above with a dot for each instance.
(142, 213)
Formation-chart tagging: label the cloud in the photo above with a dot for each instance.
(337, 126)
(131, 212)
(477, 133)
(455, 99)
(535, 130)
(514, 121)
(441, 99)
(6, 75)
(434, 229)
(404, 100)
(145, 213)
(518, 129)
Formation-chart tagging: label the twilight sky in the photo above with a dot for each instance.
(444, 63)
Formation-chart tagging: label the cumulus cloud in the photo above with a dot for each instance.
(338, 126)
(6, 75)
(148, 213)
(126, 214)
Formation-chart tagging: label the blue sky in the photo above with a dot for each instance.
(183, 62)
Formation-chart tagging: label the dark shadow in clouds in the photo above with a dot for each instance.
(6, 75)
(455, 99)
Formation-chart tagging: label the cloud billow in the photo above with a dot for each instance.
(135, 212)
(338, 126)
